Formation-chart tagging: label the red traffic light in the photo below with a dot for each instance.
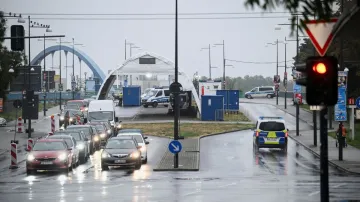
(319, 68)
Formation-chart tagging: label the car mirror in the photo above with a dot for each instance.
(116, 119)
(145, 138)
(138, 147)
(147, 142)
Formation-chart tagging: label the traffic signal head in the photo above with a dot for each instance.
(17, 44)
(321, 80)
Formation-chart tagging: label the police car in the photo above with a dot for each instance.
(270, 132)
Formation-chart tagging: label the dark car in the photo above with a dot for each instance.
(89, 133)
(77, 104)
(70, 117)
(49, 154)
(121, 151)
(106, 123)
(82, 143)
(104, 132)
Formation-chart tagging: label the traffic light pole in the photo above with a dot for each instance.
(176, 104)
(29, 124)
(285, 78)
(324, 167)
(297, 61)
(44, 79)
(315, 114)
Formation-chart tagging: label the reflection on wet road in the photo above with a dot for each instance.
(230, 170)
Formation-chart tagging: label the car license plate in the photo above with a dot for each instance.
(120, 161)
(46, 162)
(272, 139)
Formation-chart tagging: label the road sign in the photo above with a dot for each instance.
(320, 34)
(296, 88)
(340, 113)
(175, 147)
(357, 102)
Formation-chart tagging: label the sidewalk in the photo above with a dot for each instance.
(351, 160)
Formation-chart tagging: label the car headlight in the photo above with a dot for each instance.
(96, 138)
(104, 154)
(102, 135)
(108, 131)
(149, 100)
(143, 149)
(119, 126)
(135, 155)
(62, 157)
(86, 109)
(80, 146)
(71, 119)
(30, 157)
(62, 118)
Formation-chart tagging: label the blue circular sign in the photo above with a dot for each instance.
(357, 102)
(175, 147)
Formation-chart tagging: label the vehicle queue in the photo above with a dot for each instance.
(87, 127)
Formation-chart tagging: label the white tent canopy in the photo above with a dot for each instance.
(162, 66)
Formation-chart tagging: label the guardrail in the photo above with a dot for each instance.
(49, 96)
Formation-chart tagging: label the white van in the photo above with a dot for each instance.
(261, 92)
(101, 110)
(155, 97)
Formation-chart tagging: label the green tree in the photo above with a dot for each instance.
(8, 59)
(321, 9)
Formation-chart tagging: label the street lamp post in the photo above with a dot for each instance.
(277, 65)
(285, 78)
(208, 48)
(224, 63)
(176, 104)
(44, 87)
(73, 70)
(60, 83)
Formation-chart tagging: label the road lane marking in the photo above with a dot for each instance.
(339, 185)
(190, 193)
(314, 193)
(227, 185)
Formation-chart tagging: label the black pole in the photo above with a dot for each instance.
(285, 78)
(224, 64)
(315, 114)
(125, 49)
(60, 75)
(45, 90)
(29, 125)
(324, 167)
(73, 68)
(341, 143)
(277, 69)
(297, 62)
(176, 115)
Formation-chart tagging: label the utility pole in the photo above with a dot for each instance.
(80, 75)
(29, 125)
(73, 71)
(285, 78)
(297, 62)
(209, 60)
(277, 69)
(44, 82)
(176, 100)
(60, 75)
(224, 64)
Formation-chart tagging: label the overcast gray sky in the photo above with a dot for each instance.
(245, 38)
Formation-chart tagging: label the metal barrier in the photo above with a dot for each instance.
(50, 96)
(228, 115)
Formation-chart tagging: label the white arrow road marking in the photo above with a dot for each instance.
(176, 148)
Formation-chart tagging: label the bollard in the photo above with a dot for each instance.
(30, 144)
(20, 126)
(52, 123)
(13, 154)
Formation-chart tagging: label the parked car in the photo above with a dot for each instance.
(49, 154)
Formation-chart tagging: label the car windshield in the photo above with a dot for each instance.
(152, 93)
(120, 144)
(74, 113)
(67, 140)
(100, 115)
(73, 106)
(85, 130)
(76, 135)
(100, 127)
(49, 146)
(138, 137)
(272, 126)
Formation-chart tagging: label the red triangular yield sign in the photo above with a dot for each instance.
(320, 34)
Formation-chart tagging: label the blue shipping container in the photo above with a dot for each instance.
(132, 96)
(233, 99)
(212, 108)
(225, 94)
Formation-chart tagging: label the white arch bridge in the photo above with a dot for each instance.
(136, 66)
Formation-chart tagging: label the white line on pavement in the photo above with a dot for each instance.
(227, 185)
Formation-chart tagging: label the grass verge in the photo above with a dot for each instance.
(305, 106)
(356, 142)
(187, 129)
(235, 117)
(10, 116)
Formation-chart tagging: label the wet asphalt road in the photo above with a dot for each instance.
(229, 171)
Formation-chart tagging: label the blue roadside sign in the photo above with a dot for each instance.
(175, 147)
(340, 108)
(357, 102)
(340, 113)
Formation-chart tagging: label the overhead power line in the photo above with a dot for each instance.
(151, 14)
(260, 63)
(149, 19)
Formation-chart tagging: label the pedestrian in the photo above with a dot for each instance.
(342, 134)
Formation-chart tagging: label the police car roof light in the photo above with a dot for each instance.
(270, 117)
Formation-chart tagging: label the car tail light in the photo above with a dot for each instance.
(257, 133)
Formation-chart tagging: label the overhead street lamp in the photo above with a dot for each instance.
(133, 47)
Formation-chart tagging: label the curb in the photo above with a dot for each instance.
(317, 155)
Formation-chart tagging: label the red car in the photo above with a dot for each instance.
(77, 104)
(49, 154)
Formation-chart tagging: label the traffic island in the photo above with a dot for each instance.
(189, 157)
